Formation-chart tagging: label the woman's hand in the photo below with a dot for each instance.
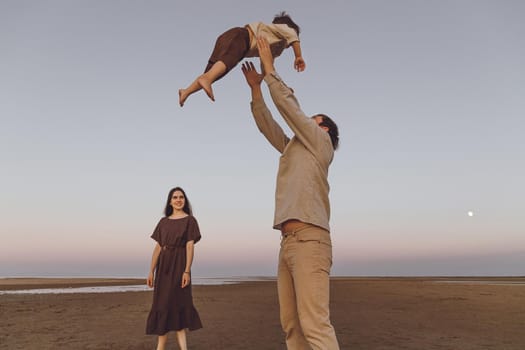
(150, 279)
(186, 278)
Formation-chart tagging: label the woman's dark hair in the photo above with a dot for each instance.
(284, 18)
(187, 206)
(333, 130)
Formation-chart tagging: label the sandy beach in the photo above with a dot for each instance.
(368, 314)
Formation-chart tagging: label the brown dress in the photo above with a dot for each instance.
(172, 307)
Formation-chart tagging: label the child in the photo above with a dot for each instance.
(240, 42)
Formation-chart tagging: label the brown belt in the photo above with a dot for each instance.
(292, 226)
(172, 247)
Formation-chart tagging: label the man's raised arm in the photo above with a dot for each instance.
(263, 118)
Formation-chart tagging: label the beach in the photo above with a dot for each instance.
(367, 313)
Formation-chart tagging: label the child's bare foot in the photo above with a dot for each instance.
(206, 86)
(182, 97)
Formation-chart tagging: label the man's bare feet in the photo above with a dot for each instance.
(206, 86)
(182, 97)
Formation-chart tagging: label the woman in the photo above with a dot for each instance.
(170, 272)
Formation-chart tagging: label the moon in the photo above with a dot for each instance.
(470, 213)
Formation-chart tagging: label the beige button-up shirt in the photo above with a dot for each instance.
(302, 179)
(279, 36)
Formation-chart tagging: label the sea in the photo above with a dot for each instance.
(205, 281)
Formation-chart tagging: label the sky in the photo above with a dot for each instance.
(428, 96)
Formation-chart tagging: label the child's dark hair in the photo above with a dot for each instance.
(284, 18)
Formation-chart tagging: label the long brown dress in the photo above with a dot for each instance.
(172, 307)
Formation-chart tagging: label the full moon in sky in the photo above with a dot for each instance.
(470, 213)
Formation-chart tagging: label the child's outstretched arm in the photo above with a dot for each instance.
(299, 63)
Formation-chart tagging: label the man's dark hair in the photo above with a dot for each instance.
(284, 18)
(333, 130)
(168, 210)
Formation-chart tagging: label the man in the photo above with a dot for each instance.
(302, 208)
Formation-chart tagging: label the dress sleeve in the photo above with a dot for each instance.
(156, 233)
(193, 233)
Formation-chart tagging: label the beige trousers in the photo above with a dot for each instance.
(303, 282)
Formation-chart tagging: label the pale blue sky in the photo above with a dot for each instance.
(428, 96)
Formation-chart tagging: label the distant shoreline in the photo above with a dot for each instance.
(23, 283)
(13, 283)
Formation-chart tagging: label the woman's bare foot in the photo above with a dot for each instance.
(206, 86)
(182, 97)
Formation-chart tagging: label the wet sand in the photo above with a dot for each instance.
(368, 314)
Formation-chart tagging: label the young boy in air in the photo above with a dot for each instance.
(237, 43)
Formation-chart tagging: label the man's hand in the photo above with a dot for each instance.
(253, 78)
(266, 55)
(299, 64)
